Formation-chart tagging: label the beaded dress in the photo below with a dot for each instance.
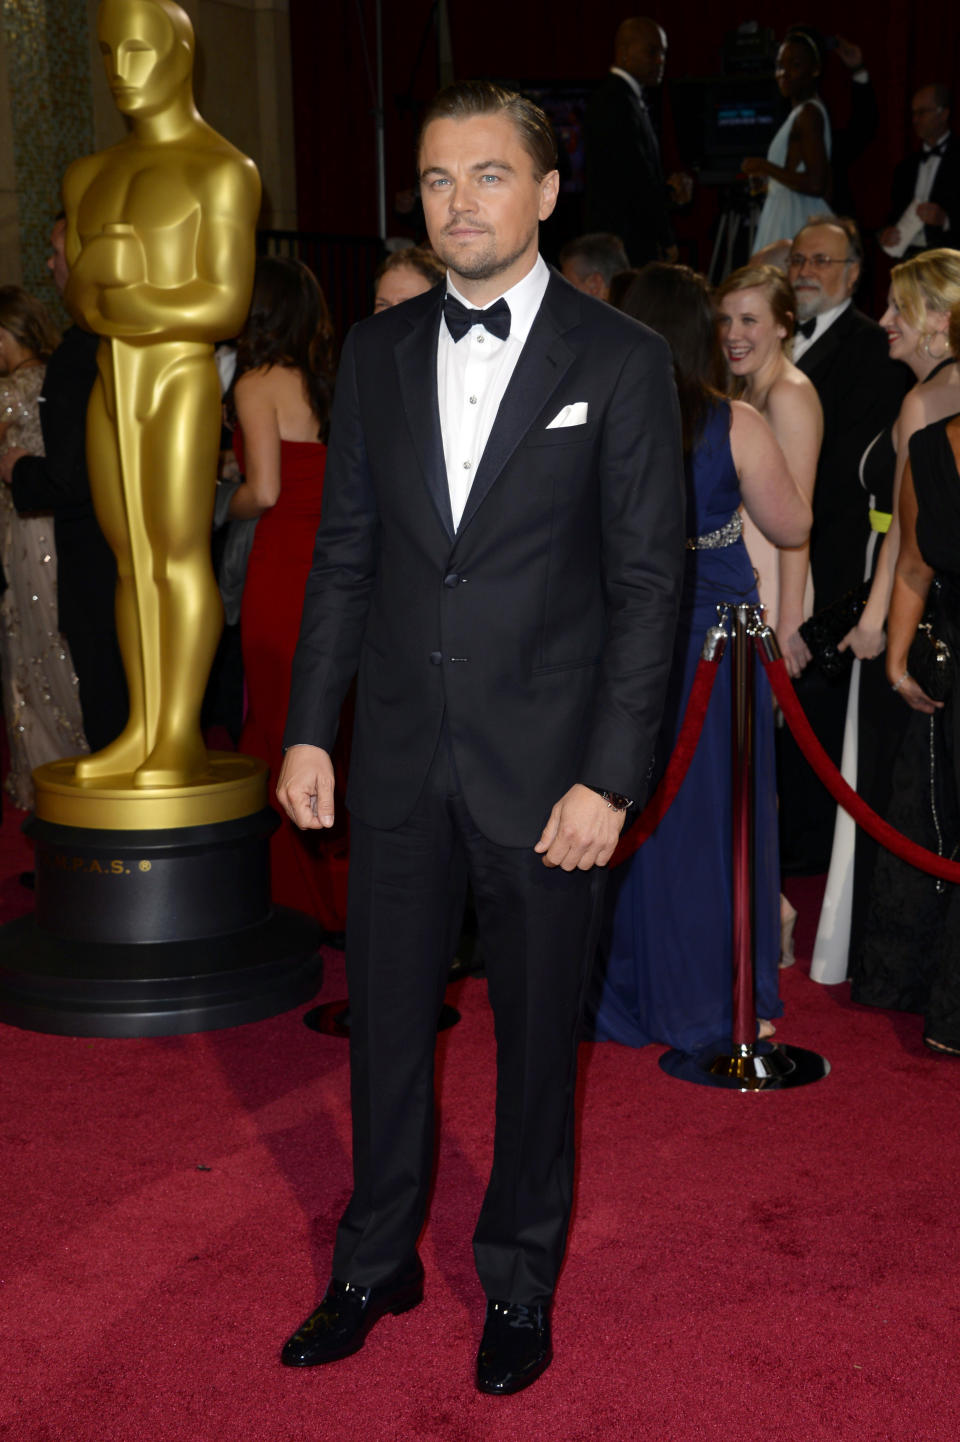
(41, 705)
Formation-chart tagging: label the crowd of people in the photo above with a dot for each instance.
(809, 465)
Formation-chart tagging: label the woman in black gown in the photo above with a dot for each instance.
(925, 974)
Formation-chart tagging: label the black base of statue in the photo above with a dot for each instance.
(155, 933)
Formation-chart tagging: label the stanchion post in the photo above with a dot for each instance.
(749, 1065)
(744, 1008)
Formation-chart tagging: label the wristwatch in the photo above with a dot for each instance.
(614, 799)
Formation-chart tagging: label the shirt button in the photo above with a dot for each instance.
(467, 465)
(436, 658)
(451, 580)
(479, 340)
(473, 400)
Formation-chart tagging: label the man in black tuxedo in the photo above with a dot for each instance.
(930, 176)
(58, 481)
(846, 356)
(626, 192)
(500, 554)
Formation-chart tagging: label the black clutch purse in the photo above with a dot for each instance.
(930, 661)
(824, 630)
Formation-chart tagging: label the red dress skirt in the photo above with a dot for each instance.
(308, 869)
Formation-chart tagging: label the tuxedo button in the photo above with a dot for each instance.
(436, 658)
(452, 580)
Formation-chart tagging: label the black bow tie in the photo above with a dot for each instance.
(929, 150)
(806, 328)
(460, 318)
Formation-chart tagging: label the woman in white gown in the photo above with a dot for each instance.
(41, 705)
(797, 163)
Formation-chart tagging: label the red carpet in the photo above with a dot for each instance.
(759, 1268)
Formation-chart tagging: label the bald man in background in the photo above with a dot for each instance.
(626, 190)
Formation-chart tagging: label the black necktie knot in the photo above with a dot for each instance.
(931, 150)
(806, 328)
(459, 318)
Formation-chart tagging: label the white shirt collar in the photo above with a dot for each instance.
(631, 81)
(825, 320)
(524, 298)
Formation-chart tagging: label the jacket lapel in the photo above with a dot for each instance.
(416, 358)
(542, 364)
(818, 357)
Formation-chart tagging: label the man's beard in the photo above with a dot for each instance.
(810, 303)
(480, 265)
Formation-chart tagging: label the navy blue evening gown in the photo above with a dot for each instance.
(664, 969)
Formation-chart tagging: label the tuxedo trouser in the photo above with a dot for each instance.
(537, 933)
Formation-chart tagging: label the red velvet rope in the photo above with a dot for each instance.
(874, 825)
(678, 765)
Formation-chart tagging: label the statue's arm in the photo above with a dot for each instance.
(213, 304)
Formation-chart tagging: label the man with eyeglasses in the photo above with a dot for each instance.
(926, 184)
(845, 354)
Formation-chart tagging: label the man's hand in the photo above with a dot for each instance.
(850, 53)
(890, 236)
(305, 787)
(931, 214)
(8, 461)
(581, 832)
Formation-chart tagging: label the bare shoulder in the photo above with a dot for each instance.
(809, 119)
(793, 395)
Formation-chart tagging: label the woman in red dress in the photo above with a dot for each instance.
(282, 398)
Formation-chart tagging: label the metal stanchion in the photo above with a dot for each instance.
(748, 1065)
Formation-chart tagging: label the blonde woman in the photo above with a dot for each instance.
(922, 293)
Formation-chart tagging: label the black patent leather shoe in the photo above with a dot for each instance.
(340, 1324)
(515, 1348)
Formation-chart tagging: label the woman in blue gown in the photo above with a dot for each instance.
(664, 970)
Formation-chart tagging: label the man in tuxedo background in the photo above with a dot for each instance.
(846, 356)
(500, 554)
(930, 176)
(626, 192)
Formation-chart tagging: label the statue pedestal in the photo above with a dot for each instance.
(153, 913)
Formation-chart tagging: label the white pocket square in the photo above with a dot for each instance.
(574, 414)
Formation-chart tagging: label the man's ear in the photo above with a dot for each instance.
(593, 284)
(549, 190)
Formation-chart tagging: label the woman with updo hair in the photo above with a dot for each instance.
(282, 397)
(41, 703)
(757, 314)
(797, 164)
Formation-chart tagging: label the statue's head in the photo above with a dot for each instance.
(147, 48)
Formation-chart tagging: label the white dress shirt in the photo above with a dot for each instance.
(472, 377)
(802, 343)
(926, 175)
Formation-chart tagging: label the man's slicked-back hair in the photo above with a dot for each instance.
(483, 97)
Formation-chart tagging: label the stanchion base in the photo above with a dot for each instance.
(333, 1018)
(766, 1066)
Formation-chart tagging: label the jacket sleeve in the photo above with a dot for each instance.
(643, 531)
(340, 584)
(59, 480)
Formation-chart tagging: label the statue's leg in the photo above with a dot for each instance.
(179, 463)
(124, 754)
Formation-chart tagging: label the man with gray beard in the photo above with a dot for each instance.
(845, 354)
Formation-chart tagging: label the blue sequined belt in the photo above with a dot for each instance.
(727, 535)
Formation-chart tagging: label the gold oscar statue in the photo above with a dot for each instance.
(161, 246)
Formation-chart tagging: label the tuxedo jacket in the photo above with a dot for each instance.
(944, 192)
(860, 390)
(625, 188)
(542, 628)
(58, 482)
